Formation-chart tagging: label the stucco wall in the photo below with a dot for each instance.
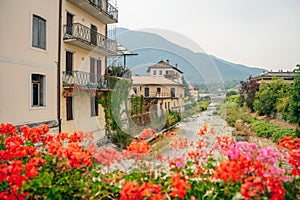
(18, 59)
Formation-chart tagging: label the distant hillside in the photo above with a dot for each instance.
(197, 67)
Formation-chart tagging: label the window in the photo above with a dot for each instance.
(158, 90)
(69, 24)
(173, 92)
(69, 62)
(37, 90)
(154, 72)
(94, 106)
(95, 70)
(92, 70)
(69, 103)
(146, 92)
(160, 72)
(134, 90)
(99, 70)
(94, 34)
(39, 32)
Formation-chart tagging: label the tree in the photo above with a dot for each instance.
(247, 92)
(267, 97)
(295, 100)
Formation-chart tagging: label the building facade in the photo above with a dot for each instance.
(269, 76)
(85, 48)
(29, 59)
(165, 69)
(161, 92)
(28, 62)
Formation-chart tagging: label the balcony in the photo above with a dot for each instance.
(87, 81)
(84, 37)
(100, 9)
(163, 95)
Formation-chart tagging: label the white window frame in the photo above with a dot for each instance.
(31, 33)
(31, 106)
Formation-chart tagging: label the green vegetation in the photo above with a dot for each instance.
(266, 129)
(273, 99)
(172, 118)
(111, 103)
(262, 128)
(295, 102)
(194, 108)
(270, 96)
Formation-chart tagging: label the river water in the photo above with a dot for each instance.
(189, 128)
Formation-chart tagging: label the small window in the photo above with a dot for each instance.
(154, 72)
(173, 92)
(69, 103)
(160, 72)
(37, 90)
(147, 91)
(39, 32)
(158, 90)
(94, 106)
(134, 90)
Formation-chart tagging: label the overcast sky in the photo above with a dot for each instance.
(257, 33)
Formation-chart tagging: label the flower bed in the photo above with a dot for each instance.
(35, 164)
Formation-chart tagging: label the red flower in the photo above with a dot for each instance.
(179, 186)
(7, 129)
(132, 190)
(139, 147)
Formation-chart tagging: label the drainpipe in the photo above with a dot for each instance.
(105, 62)
(58, 65)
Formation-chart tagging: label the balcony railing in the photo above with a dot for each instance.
(84, 37)
(100, 9)
(163, 95)
(87, 80)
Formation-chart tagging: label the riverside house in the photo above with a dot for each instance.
(53, 60)
(163, 87)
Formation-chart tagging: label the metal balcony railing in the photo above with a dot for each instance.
(100, 9)
(88, 80)
(163, 95)
(89, 37)
(105, 7)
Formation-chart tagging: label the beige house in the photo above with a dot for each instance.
(165, 69)
(85, 48)
(52, 73)
(163, 93)
(28, 61)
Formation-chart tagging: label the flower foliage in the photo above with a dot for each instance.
(35, 164)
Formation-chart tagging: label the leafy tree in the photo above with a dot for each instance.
(295, 100)
(230, 93)
(269, 97)
(247, 92)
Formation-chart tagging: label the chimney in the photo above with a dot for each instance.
(168, 61)
(176, 65)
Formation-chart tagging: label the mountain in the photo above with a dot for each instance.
(198, 67)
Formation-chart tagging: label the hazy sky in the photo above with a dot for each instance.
(258, 33)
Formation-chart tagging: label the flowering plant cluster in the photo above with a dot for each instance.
(35, 164)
